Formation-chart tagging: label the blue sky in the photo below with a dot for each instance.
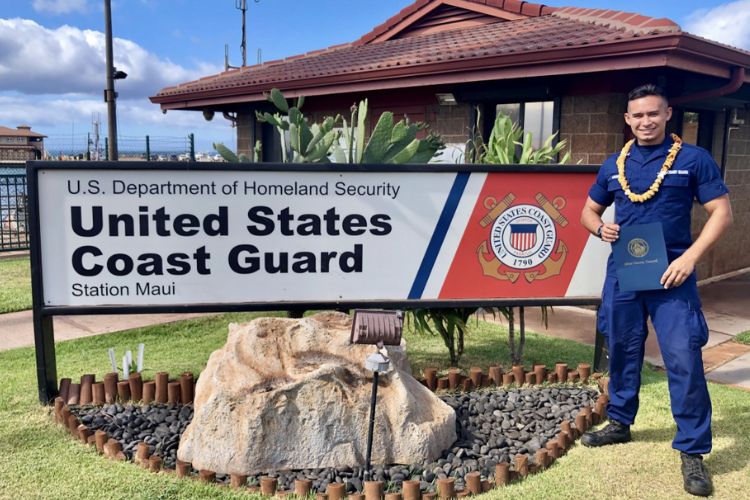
(51, 51)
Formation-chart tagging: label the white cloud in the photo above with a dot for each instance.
(727, 23)
(66, 120)
(59, 6)
(68, 60)
(53, 80)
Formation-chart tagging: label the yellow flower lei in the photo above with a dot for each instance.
(640, 198)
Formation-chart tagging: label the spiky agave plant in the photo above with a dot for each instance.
(508, 144)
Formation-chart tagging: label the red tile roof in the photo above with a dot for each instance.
(23, 131)
(568, 33)
(528, 35)
(635, 23)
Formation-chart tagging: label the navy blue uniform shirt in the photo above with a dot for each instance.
(693, 176)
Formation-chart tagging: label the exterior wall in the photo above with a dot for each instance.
(17, 154)
(20, 148)
(703, 268)
(453, 123)
(592, 125)
(245, 133)
(731, 254)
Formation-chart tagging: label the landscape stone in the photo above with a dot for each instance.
(293, 394)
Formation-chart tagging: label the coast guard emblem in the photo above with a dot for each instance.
(638, 247)
(522, 239)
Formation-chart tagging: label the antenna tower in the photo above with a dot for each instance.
(240, 5)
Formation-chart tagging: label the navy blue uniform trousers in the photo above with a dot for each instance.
(681, 332)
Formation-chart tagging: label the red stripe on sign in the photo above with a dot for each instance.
(476, 270)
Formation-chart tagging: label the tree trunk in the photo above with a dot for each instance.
(448, 339)
(512, 335)
(460, 342)
(522, 336)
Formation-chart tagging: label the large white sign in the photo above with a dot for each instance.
(146, 237)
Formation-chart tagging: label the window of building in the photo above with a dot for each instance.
(697, 127)
(537, 117)
(690, 122)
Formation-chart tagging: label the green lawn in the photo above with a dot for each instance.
(743, 338)
(39, 460)
(15, 285)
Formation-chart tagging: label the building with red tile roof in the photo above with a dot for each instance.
(20, 144)
(449, 42)
(565, 69)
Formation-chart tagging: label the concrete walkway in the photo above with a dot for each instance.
(17, 329)
(726, 306)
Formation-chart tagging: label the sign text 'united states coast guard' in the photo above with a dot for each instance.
(142, 237)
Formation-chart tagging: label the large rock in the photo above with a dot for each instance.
(293, 394)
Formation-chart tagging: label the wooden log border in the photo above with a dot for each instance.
(505, 473)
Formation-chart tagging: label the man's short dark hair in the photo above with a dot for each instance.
(647, 90)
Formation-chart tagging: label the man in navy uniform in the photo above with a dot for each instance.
(655, 178)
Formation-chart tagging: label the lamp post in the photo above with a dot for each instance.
(380, 328)
(109, 92)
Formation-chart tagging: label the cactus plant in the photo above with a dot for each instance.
(230, 157)
(306, 143)
(389, 142)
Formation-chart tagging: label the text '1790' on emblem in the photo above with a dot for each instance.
(638, 247)
(522, 239)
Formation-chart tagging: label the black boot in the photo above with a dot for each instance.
(613, 433)
(695, 476)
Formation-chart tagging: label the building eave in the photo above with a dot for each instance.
(563, 60)
(680, 51)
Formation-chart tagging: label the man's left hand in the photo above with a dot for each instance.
(677, 272)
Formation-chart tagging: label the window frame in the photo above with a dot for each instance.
(706, 125)
(489, 112)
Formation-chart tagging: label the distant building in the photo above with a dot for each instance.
(20, 144)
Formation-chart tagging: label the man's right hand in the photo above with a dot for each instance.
(610, 232)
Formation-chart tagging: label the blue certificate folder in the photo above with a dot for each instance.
(640, 257)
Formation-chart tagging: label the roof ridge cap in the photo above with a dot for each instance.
(617, 19)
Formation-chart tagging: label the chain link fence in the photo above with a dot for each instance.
(13, 193)
(149, 147)
(13, 209)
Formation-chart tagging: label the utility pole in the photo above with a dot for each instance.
(109, 92)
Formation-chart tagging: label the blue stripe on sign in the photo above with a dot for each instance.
(438, 235)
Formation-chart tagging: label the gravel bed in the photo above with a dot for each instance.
(493, 426)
